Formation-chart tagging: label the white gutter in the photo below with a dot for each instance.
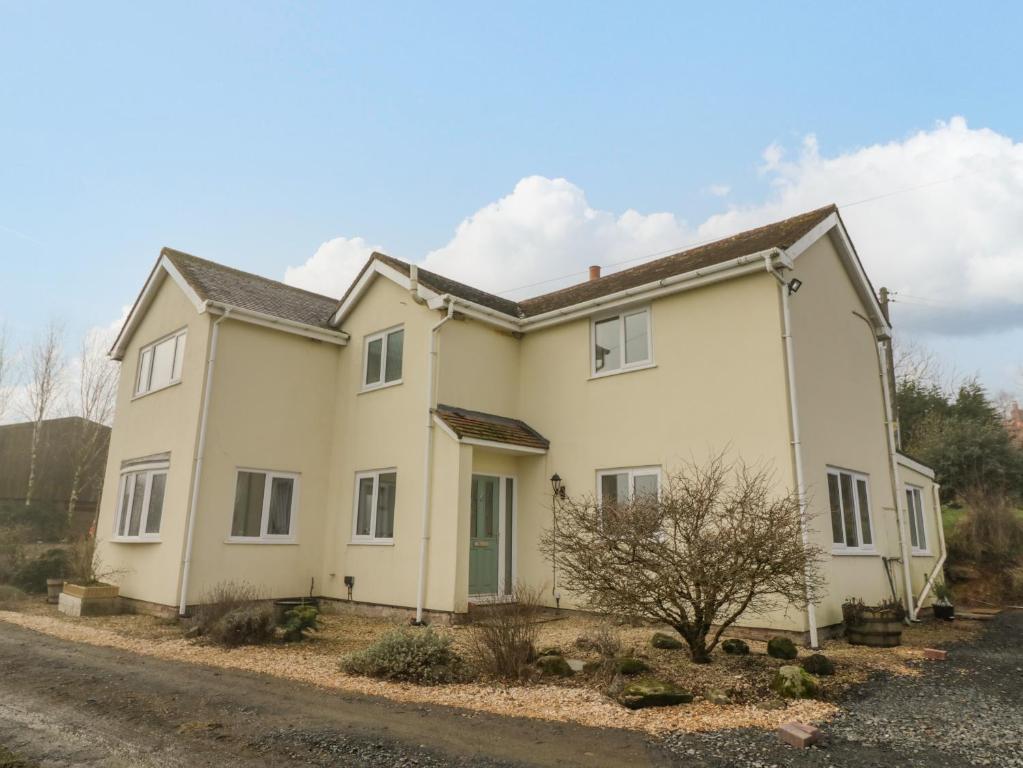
(428, 463)
(797, 445)
(935, 488)
(200, 451)
(288, 326)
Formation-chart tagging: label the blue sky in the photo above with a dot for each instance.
(255, 133)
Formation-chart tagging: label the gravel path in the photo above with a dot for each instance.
(965, 711)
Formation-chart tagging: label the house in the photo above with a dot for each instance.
(68, 446)
(395, 447)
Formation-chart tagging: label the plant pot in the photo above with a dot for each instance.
(876, 629)
(281, 607)
(90, 600)
(92, 591)
(944, 611)
(53, 589)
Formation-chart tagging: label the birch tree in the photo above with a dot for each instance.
(45, 378)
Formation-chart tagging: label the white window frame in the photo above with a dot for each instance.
(372, 538)
(179, 337)
(383, 336)
(267, 538)
(918, 519)
(123, 510)
(860, 548)
(633, 473)
(624, 367)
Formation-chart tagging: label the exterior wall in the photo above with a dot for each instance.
(922, 565)
(271, 408)
(479, 368)
(162, 421)
(841, 416)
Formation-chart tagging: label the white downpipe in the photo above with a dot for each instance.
(941, 543)
(797, 445)
(200, 452)
(428, 463)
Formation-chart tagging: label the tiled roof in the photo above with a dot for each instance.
(487, 426)
(215, 282)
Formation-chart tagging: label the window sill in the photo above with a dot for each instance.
(922, 553)
(375, 387)
(135, 540)
(140, 395)
(257, 540)
(855, 553)
(371, 543)
(643, 367)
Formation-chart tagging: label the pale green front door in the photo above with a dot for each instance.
(484, 535)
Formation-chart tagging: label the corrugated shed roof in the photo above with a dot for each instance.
(488, 426)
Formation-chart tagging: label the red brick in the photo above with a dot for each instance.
(798, 735)
(935, 653)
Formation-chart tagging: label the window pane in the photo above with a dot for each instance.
(637, 340)
(609, 488)
(179, 356)
(911, 514)
(144, 368)
(122, 524)
(921, 529)
(848, 510)
(365, 506)
(864, 501)
(281, 491)
(836, 510)
(392, 368)
(386, 485)
(163, 363)
(373, 361)
(248, 504)
(156, 490)
(139, 482)
(607, 353)
(645, 486)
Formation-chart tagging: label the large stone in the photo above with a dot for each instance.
(554, 666)
(717, 696)
(793, 682)
(665, 641)
(649, 692)
(630, 666)
(735, 647)
(781, 648)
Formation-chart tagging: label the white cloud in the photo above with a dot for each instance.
(719, 190)
(333, 267)
(953, 249)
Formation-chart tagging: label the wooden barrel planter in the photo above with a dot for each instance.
(53, 589)
(873, 626)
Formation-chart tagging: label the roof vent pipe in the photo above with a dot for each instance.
(595, 272)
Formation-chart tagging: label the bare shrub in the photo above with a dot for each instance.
(502, 642)
(11, 597)
(221, 599)
(990, 532)
(603, 638)
(716, 543)
(250, 624)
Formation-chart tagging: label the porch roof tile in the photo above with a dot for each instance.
(477, 425)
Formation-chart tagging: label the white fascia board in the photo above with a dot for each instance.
(162, 268)
(503, 447)
(915, 465)
(376, 267)
(279, 324)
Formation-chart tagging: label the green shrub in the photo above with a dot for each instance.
(819, 664)
(251, 624)
(45, 520)
(735, 647)
(410, 655)
(554, 666)
(32, 575)
(11, 597)
(298, 620)
(631, 666)
(781, 648)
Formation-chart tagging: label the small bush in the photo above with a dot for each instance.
(251, 624)
(554, 666)
(991, 531)
(298, 620)
(503, 642)
(32, 575)
(220, 600)
(665, 641)
(11, 597)
(605, 639)
(781, 648)
(411, 655)
(735, 647)
(819, 664)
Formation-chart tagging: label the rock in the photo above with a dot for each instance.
(554, 666)
(781, 648)
(650, 692)
(665, 641)
(793, 682)
(771, 704)
(717, 696)
(735, 647)
(629, 666)
(576, 665)
(819, 664)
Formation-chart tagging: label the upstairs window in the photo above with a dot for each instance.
(383, 354)
(264, 506)
(140, 507)
(915, 511)
(160, 364)
(619, 486)
(849, 494)
(621, 342)
(375, 494)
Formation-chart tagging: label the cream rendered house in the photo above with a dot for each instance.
(396, 447)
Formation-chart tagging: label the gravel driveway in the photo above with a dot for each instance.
(965, 711)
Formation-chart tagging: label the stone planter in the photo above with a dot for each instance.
(874, 628)
(53, 590)
(92, 600)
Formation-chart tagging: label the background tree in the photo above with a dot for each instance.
(45, 380)
(5, 373)
(716, 544)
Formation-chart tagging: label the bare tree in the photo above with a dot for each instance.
(94, 404)
(45, 379)
(5, 373)
(713, 545)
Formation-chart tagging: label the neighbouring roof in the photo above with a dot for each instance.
(476, 425)
(226, 285)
